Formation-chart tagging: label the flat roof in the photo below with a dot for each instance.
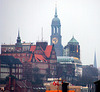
(68, 59)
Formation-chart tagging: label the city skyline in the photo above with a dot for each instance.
(79, 18)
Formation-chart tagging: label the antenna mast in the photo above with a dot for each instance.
(42, 34)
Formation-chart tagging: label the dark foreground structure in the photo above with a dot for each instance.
(97, 86)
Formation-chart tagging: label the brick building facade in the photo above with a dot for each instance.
(10, 66)
(18, 50)
(44, 57)
(40, 55)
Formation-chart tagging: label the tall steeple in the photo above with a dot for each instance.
(18, 44)
(18, 38)
(18, 34)
(56, 10)
(56, 34)
(95, 62)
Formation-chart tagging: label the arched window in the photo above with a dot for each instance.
(57, 29)
(54, 30)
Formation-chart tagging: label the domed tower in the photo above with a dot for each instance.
(56, 34)
(72, 48)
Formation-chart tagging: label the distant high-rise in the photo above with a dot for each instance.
(72, 48)
(95, 62)
(56, 34)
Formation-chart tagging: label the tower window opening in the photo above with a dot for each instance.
(57, 30)
(54, 31)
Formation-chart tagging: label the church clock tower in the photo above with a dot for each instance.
(56, 34)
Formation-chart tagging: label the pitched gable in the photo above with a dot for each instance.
(40, 58)
(41, 55)
(33, 48)
(48, 50)
(30, 58)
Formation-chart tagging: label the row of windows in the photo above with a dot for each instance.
(13, 48)
(17, 65)
(20, 55)
(13, 70)
(53, 56)
(52, 67)
(20, 70)
(4, 75)
(5, 70)
(5, 65)
(38, 52)
(20, 76)
(55, 30)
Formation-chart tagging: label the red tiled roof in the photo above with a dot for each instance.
(32, 48)
(30, 58)
(40, 58)
(48, 50)
(41, 49)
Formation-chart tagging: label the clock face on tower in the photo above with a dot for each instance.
(55, 40)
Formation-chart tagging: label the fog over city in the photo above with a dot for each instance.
(79, 18)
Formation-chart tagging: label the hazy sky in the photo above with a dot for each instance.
(80, 18)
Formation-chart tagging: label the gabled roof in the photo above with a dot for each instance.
(40, 58)
(48, 50)
(33, 48)
(30, 58)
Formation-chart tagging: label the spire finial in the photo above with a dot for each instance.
(18, 33)
(18, 38)
(56, 9)
(42, 34)
(95, 62)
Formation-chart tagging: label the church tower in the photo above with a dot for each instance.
(56, 34)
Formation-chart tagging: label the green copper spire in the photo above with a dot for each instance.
(73, 41)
